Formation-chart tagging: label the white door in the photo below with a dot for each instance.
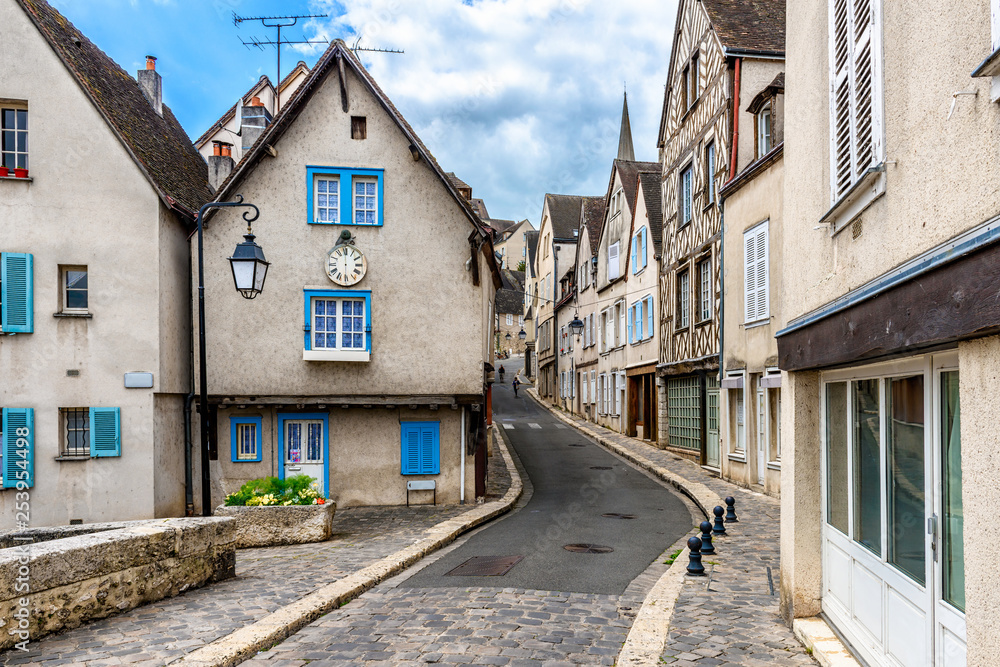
(761, 435)
(304, 449)
(893, 571)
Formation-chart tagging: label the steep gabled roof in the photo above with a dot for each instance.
(564, 212)
(531, 242)
(654, 207)
(628, 173)
(339, 55)
(158, 145)
(748, 26)
(501, 226)
(592, 219)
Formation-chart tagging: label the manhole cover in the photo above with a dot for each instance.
(485, 566)
(600, 467)
(588, 548)
(618, 515)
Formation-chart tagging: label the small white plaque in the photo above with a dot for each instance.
(138, 380)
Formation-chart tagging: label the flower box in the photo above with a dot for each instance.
(20, 173)
(273, 525)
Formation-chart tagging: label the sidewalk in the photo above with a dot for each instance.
(730, 617)
(268, 581)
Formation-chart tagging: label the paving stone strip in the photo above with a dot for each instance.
(731, 616)
(369, 545)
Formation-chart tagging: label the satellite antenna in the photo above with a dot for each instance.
(280, 22)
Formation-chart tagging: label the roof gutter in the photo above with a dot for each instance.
(754, 53)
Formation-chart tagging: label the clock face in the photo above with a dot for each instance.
(346, 265)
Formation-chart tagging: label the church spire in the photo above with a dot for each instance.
(625, 150)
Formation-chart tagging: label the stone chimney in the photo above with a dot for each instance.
(152, 85)
(255, 119)
(220, 163)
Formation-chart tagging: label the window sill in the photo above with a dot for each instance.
(335, 355)
(343, 224)
(856, 200)
(740, 457)
(989, 67)
(774, 465)
(73, 458)
(757, 323)
(82, 315)
(25, 179)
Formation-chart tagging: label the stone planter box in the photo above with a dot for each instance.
(268, 526)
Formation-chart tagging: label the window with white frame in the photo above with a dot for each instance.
(338, 325)
(710, 172)
(686, 192)
(342, 196)
(327, 198)
(593, 387)
(75, 292)
(764, 120)
(856, 86)
(613, 271)
(365, 200)
(639, 251)
(520, 321)
(616, 202)
(704, 290)
(755, 275)
(510, 319)
(14, 137)
(683, 299)
(620, 322)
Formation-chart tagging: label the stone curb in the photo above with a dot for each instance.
(246, 642)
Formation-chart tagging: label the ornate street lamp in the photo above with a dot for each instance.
(249, 266)
(522, 334)
(576, 325)
(249, 269)
(507, 336)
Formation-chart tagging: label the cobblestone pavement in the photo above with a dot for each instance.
(398, 626)
(266, 579)
(730, 617)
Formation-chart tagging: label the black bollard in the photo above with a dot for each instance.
(695, 568)
(706, 538)
(719, 528)
(731, 510)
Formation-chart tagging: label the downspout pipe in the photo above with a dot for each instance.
(188, 400)
(461, 467)
(734, 150)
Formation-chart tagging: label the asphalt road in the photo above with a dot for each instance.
(575, 483)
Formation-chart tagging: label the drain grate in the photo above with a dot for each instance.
(600, 467)
(618, 515)
(485, 566)
(588, 548)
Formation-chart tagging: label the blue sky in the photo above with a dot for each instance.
(518, 97)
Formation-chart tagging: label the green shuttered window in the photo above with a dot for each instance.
(18, 447)
(16, 293)
(421, 448)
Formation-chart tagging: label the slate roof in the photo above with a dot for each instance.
(159, 146)
(459, 183)
(748, 25)
(510, 298)
(564, 212)
(654, 207)
(501, 226)
(531, 243)
(629, 172)
(479, 206)
(328, 63)
(593, 218)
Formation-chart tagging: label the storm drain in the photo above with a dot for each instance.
(485, 566)
(600, 467)
(618, 515)
(588, 548)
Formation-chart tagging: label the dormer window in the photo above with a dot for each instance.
(764, 121)
(14, 136)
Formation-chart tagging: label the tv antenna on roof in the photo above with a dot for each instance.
(278, 22)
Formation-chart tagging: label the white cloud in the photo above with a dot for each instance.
(518, 97)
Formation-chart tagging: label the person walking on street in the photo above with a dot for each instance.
(501, 372)
(515, 384)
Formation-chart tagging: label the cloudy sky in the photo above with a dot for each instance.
(518, 97)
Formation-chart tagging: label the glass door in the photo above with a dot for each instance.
(303, 445)
(712, 453)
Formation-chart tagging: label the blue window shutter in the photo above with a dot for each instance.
(16, 280)
(631, 331)
(105, 432)
(410, 455)
(649, 316)
(644, 247)
(18, 446)
(638, 321)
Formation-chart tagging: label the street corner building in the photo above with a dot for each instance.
(95, 213)
(365, 361)
(888, 344)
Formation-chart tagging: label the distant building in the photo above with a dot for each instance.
(510, 312)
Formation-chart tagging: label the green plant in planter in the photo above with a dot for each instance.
(268, 491)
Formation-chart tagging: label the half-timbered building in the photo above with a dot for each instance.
(718, 46)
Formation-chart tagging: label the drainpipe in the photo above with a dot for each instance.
(461, 467)
(188, 471)
(736, 120)
(722, 290)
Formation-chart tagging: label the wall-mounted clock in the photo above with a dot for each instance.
(346, 265)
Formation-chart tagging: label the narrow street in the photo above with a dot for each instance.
(553, 606)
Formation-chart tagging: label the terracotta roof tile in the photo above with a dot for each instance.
(159, 145)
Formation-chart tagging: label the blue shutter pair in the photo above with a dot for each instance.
(105, 432)
(18, 447)
(421, 448)
(16, 293)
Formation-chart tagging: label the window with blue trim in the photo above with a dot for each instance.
(344, 196)
(639, 251)
(337, 325)
(420, 452)
(16, 293)
(245, 438)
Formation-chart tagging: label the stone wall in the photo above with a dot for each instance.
(58, 582)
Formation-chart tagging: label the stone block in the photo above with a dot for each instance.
(273, 525)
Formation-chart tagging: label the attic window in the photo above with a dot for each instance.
(359, 127)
